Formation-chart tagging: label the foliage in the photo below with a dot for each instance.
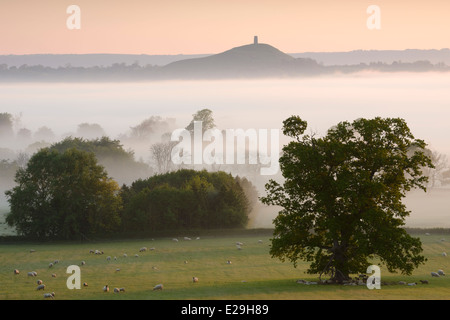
(63, 195)
(341, 198)
(185, 199)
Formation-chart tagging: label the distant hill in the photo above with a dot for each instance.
(253, 60)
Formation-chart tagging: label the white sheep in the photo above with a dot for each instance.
(158, 287)
(260, 241)
(228, 262)
(441, 273)
(125, 255)
(32, 274)
(53, 275)
(83, 263)
(412, 284)
(444, 254)
(85, 284)
(56, 261)
(32, 250)
(39, 282)
(116, 290)
(108, 258)
(50, 265)
(143, 249)
(122, 289)
(16, 271)
(175, 239)
(49, 295)
(434, 274)
(40, 287)
(106, 288)
(187, 238)
(239, 243)
(194, 279)
(136, 255)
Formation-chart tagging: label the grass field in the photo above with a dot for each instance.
(252, 275)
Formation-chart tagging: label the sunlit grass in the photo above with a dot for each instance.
(253, 274)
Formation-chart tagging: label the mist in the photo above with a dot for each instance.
(113, 109)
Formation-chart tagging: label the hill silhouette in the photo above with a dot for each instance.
(252, 60)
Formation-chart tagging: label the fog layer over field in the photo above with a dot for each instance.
(422, 99)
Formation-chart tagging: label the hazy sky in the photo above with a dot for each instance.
(213, 26)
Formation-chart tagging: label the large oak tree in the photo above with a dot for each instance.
(342, 197)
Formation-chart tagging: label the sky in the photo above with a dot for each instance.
(213, 26)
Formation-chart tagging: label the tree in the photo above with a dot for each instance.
(341, 198)
(63, 195)
(6, 126)
(205, 116)
(90, 131)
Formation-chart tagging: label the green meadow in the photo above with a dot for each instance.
(252, 275)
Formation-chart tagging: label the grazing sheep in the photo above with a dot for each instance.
(32, 274)
(116, 290)
(56, 261)
(198, 238)
(175, 239)
(228, 262)
(115, 258)
(122, 289)
(152, 249)
(444, 254)
(260, 241)
(185, 262)
(53, 275)
(194, 279)
(412, 284)
(108, 258)
(424, 281)
(32, 250)
(16, 271)
(85, 284)
(158, 287)
(50, 265)
(40, 287)
(136, 255)
(49, 295)
(39, 282)
(402, 282)
(441, 273)
(83, 263)
(427, 234)
(239, 243)
(187, 238)
(106, 288)
(125, 255)
(434, 274)
(91, 251)
(143, 249)
(154, 268)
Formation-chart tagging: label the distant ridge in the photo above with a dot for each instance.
(253, 60)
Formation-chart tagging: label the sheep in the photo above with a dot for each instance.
(424, 281)
(194, 279)
(85, 284)
(125, 255)
(187, 238)
(143, 249)
(91, 251)
(185, 262)
(53, 275)
(151, 249)
(175, 239)
(434, 274)
(441, 273)
(158, 287)
(444, 254)
(50, 265)
(106, 288)
(39, 282)
(40, 287)
(16, 271)
(116, 290)
(260, 241)
(402, 282)
(154, 268)
(239, 243)
(136, 255)
(32, 250)
(412, 284)
(115, 258)
(108, 258)
(56, 261)
(228, 262)
(198, 238)
(49, 295)
(83, 263)
(32, 274)
(122, 289)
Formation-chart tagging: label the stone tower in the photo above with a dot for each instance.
(255, 40)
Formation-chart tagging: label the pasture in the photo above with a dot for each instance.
(252, 274)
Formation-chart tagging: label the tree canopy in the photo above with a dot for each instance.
(63, 195)
(342, 196)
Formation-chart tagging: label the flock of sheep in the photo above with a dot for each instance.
(239, 245)
(51, 295)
